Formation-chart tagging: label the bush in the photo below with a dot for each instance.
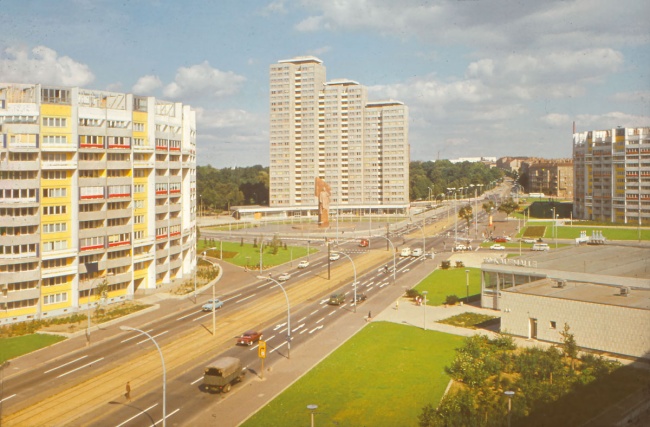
(413, 293)
(452, 300)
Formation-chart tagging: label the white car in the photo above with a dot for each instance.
(528, 240)
(416, 252)
(334, 257)
(460, 248)
(303, 264)
(498, 247)
(284, 277)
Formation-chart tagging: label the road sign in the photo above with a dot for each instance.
(261, 349)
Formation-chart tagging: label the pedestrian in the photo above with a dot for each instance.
(369, 316)
(397, 305)
(128, 391)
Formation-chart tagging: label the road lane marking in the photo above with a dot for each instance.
(313, 312)
(81, 367)
(320, 320)
(302, 320)
(8, 397)
(144, 411)
(134, 337)
(232, 297)
(298, 327)
(277, 347)
(244, 299)
(65, 364)
(279, 326)
(333, 311)
(149, 339)
(316, 328)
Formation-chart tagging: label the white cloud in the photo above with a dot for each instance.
(202, 80)
(42, 65)
(146, 85)
(320, 51)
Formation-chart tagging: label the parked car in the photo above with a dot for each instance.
(360, 298)
(416, 252)
(334, 256)
(540, 247)
(528, 240)
(363, 243)
(303, 264)
(284, 277)
(497, 247)
(208, 306)
(336, 299)
(249, 338)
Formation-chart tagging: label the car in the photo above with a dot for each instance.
(458, 248)
(303, 264)
(334, 256)
(284, 277)
(497, 247)
(528, 240)
(360, 298)
(416, 252)
(336, 299)
(216, 303)
(405, 252)
(363, 243)
(540, 247)
(499, 239)
(249, 338)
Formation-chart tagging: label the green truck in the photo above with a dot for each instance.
(221, 374)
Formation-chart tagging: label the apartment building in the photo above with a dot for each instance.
(96, 188)
(612, 175)
(552, 177)
(330, 130)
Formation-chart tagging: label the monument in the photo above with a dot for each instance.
(323, 192)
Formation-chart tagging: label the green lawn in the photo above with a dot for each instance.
(441, 283)
(235, 253)
(611, 233)
(383, 376)
(13, 347)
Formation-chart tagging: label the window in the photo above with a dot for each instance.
(55, 192)
(55, 210)
(57, 245)
(138, 127)
(55, 139)
(55, 122)
(55, 228)
(55, 298)
(56, 174)
(553, 324)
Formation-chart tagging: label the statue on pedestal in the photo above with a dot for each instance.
(323, 193)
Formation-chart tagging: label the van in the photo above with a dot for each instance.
(405, 252)
(336, 299)
(416, 252)
(541, 247)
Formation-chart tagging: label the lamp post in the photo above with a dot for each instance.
(424, 308)
(162, 360)
(466, 286)
(554, 227)
(288, 312)
(354, 269)
(509, 394)
(312, 409)
(394, 262)
(261, 244)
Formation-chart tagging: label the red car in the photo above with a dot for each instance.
(500, 240)
(249, 338)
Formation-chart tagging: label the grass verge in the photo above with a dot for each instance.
(442, 283)
(13, 347)
(470, 320)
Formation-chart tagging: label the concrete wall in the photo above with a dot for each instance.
(610, 328)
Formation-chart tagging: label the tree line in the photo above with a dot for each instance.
(219, 189)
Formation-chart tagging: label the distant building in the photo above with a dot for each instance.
(94, 186)
(486, 160)
(550, 177)
(510, 164)
(612, 175)
(330, 130)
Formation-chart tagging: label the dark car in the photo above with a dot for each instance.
(336, 299)
(249, 338)
(360, 298)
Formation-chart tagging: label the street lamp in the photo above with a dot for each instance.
(162, 360)
(312, 409)
(355, 278)
(467, 286)
(288, 312)
(509, 394)
(425, 309)
(394, 261)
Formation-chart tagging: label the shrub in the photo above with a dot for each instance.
(413, 293)
(452, 300)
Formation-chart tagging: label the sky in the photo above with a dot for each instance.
(480, 77)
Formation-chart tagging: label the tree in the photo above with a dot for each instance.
(466, 213)
(569, 345)
(488, 206)
(508, 207)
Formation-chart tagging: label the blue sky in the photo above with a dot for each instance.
(481, 78)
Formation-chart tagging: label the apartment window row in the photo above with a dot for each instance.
(55, 139)
(90, 122)
(55, 298)
(58, 227)
(138, 126)
(55, 122)
(19, 119)
(55, 263)
(89, 173)
(119, 254)
(117, 222)
(95, 141)
(24, 139)
(119, 124)
(120, 238)
(17, 268)
(57, 245)
(17, 231)
(54, 281)
(26, 249)
(22, 157)
(92, 242)
(55, 96)
(18, 175)
(55, 210)
(54, 174)
(119, 141)
(55, 192)
(17, 195)
(15, 305)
